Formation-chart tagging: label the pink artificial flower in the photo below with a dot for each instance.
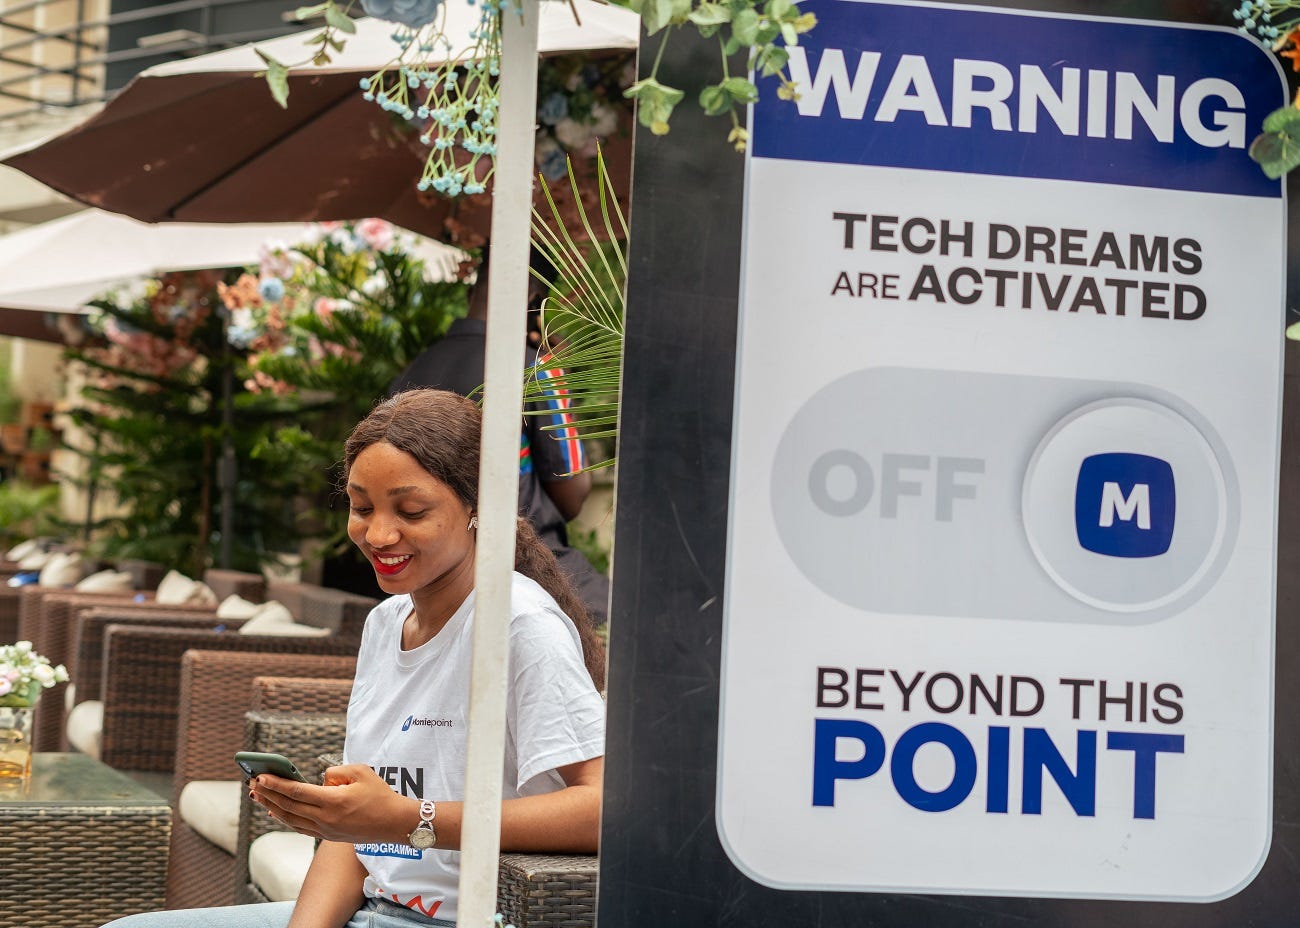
(5, 687)
(330, 225)
(377, 233)
(324, 307)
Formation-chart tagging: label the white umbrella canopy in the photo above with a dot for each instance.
(59, 266)
(202, 140)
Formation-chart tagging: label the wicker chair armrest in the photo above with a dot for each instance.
(301, 694)
(142, 685)
(536, 890)
(301, 737)
(215, 692)
(86, 668)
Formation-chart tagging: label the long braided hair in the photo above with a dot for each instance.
(441, 431)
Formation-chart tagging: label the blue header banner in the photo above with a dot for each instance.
(981, 91)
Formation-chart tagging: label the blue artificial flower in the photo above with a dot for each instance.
(271, 289)
(554, 164)
(410, 13)
(553, 109)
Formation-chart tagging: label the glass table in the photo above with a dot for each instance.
(81, 845)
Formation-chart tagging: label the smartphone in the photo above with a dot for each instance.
(254, 763)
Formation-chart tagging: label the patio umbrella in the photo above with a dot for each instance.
(201, 140)
(54, 269)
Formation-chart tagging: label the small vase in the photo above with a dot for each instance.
(15, 742)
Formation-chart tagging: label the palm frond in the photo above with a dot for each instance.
(582, 319)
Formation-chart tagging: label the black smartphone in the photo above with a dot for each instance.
(255, 762)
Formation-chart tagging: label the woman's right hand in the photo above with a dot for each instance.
(354, 806)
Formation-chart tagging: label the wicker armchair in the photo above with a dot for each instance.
(533, 890)
(302, 719)
(214, 698)
(141, 687)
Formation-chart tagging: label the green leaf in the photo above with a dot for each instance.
(772, 60)
(311, 12)
(1293, 331)
(277, 78)
(1277, 149)
(788, 33)
(321, 58)
(776, 9)
(744, 26)
(1282, 120)
(656, 14)
(339, 20)
(714, 100)
(740, 89)
(710, 14)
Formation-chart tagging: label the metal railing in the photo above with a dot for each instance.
(68, 65)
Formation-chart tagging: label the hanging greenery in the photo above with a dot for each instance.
(449, 95)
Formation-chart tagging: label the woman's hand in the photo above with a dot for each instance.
(354, 806)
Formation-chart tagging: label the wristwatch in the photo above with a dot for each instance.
(423, 837)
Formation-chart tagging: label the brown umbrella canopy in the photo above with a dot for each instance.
(203, 141)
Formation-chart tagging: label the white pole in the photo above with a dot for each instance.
(512, 200)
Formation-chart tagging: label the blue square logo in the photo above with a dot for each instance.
(1124, 505)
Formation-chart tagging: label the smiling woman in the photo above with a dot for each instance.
(390, 817)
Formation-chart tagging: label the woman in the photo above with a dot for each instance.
(390, 817)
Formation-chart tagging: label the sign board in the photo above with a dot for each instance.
(1002, 539)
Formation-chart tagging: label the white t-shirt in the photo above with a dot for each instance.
(407, 721)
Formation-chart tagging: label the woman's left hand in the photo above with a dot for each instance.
(354, 806)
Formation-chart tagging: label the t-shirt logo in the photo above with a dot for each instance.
(406, 726)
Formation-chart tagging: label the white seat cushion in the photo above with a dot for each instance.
(278, 862)
(85, 726)
(176, 589)
(236, 607)
(36, 560)
(106, 581)
(273, 618)
(22, 549)
(211, 807)
(64, 569)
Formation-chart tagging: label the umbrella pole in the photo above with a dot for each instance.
(227, 469)
(512, 200)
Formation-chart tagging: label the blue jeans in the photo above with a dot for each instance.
(374, 914)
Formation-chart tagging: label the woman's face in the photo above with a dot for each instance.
(410, 525)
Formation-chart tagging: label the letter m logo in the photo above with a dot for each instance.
(1124, 505)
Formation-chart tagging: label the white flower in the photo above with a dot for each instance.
(23, 647)
(5, 687)
(373, 286)
(43, 674)
(573, 134)
(345, 240)
(604, 120)
(61, 674)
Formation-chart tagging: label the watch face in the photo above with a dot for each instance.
(422, 838)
